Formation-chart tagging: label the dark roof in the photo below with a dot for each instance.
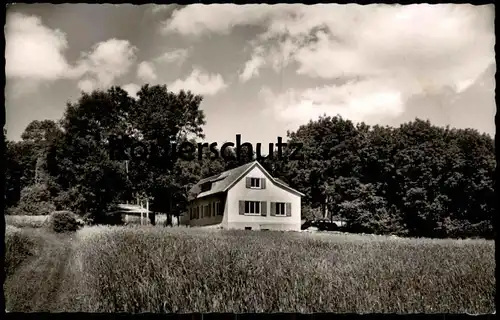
(223, 181)
(219, 182)
(281, 181)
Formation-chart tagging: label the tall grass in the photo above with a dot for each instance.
(18, 247)
(40, 277)
(182, 270)
(26, 221)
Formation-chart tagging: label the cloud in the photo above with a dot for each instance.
(146, 72)
(452, 107)
(199, 19)
(355, 100)
(412, 50)
(34, 51)
(433, 44)
(178, 56)
(87, 85)
(106, 62)
(200, 83)
(423, 45)
(132, 89)
(253, 66)
(155, 8)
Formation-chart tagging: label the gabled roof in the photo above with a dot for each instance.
(224, 181)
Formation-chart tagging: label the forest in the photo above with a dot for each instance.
(415, 180)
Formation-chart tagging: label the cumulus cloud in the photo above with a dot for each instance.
(200, 83)
(34, 51)
(355, 100)
(146, 71)
(252, 66)
(412, 50)
(132, 89)
(178, 56)
(200, 19)
(106, 62)
(87, 85)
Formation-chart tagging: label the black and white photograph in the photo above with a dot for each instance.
(257, 158)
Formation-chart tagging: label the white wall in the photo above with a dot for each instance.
(271, 193)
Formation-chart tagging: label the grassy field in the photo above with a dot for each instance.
(26, 221)
(148, 269)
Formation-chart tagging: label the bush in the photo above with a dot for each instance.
(64, 221)
(309, 213)
(69, 200)
(35, 201)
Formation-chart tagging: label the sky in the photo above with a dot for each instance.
(261, 69)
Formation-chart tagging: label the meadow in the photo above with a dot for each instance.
(156, 269)
(21, 221)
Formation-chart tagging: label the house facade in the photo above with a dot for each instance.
(246, 197)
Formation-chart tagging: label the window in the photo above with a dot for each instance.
(218, 208)
(213, 210)
(209, 210)
(205, 211)
(280, 209)
(252, 207)
(206, 186)
(197, 212)
(254, 182)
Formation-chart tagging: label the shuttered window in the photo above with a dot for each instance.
(252, 207)
(255, 183)
(281, 209)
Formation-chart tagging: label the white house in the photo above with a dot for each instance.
(246, 197)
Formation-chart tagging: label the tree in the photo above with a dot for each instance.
(25, 160)
(161, 119)
(35, 200)
(79, 158)
(13, 171)
(330, 151)
(418, 179)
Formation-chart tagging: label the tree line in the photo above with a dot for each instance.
(415, 180)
